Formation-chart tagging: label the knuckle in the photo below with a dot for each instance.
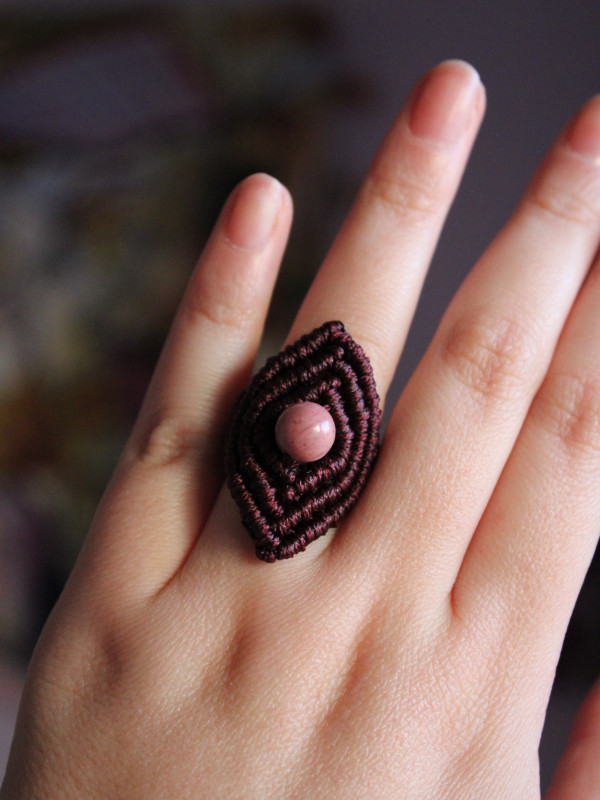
(228, 312)
(491, 355)
(226, 295)
(568, 407)
(168, 438)
(575, 200)
(413, 197)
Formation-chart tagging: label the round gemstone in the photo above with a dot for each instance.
(305, 431)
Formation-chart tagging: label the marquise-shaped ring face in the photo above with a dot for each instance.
(286, 504)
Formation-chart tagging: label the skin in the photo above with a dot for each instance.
(410, 654)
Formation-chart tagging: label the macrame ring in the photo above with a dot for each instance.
(286, 504)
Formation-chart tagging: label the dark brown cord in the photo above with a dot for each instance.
(286, 504)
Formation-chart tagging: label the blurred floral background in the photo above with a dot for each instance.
(123, 126)
(121, 133)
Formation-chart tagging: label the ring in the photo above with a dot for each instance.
(303, 441)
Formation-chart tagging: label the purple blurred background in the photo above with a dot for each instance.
(123, 126)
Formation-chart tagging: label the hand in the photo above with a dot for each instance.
(410, 654)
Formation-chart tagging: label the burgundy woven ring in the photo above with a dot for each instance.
(303, 440)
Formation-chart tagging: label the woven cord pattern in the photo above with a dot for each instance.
(286, 504)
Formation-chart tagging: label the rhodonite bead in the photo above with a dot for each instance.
(305, 431)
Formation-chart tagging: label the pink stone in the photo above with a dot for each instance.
(305, 431)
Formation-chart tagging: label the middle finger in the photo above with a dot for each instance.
(372, 277)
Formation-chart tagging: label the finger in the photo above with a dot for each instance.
(372, 276)
(455, 425)
(578, 772)
(172, 466)
(529, 556)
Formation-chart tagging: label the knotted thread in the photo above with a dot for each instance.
(286, 504)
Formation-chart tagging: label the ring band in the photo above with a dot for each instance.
(303, 441)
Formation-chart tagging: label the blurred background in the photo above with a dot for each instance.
(124, 125)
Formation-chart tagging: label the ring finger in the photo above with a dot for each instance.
(456, 424)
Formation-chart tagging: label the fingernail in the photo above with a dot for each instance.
(443, 103)
(583, 134)
(251, 220)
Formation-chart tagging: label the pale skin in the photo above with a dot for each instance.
(409, 654)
